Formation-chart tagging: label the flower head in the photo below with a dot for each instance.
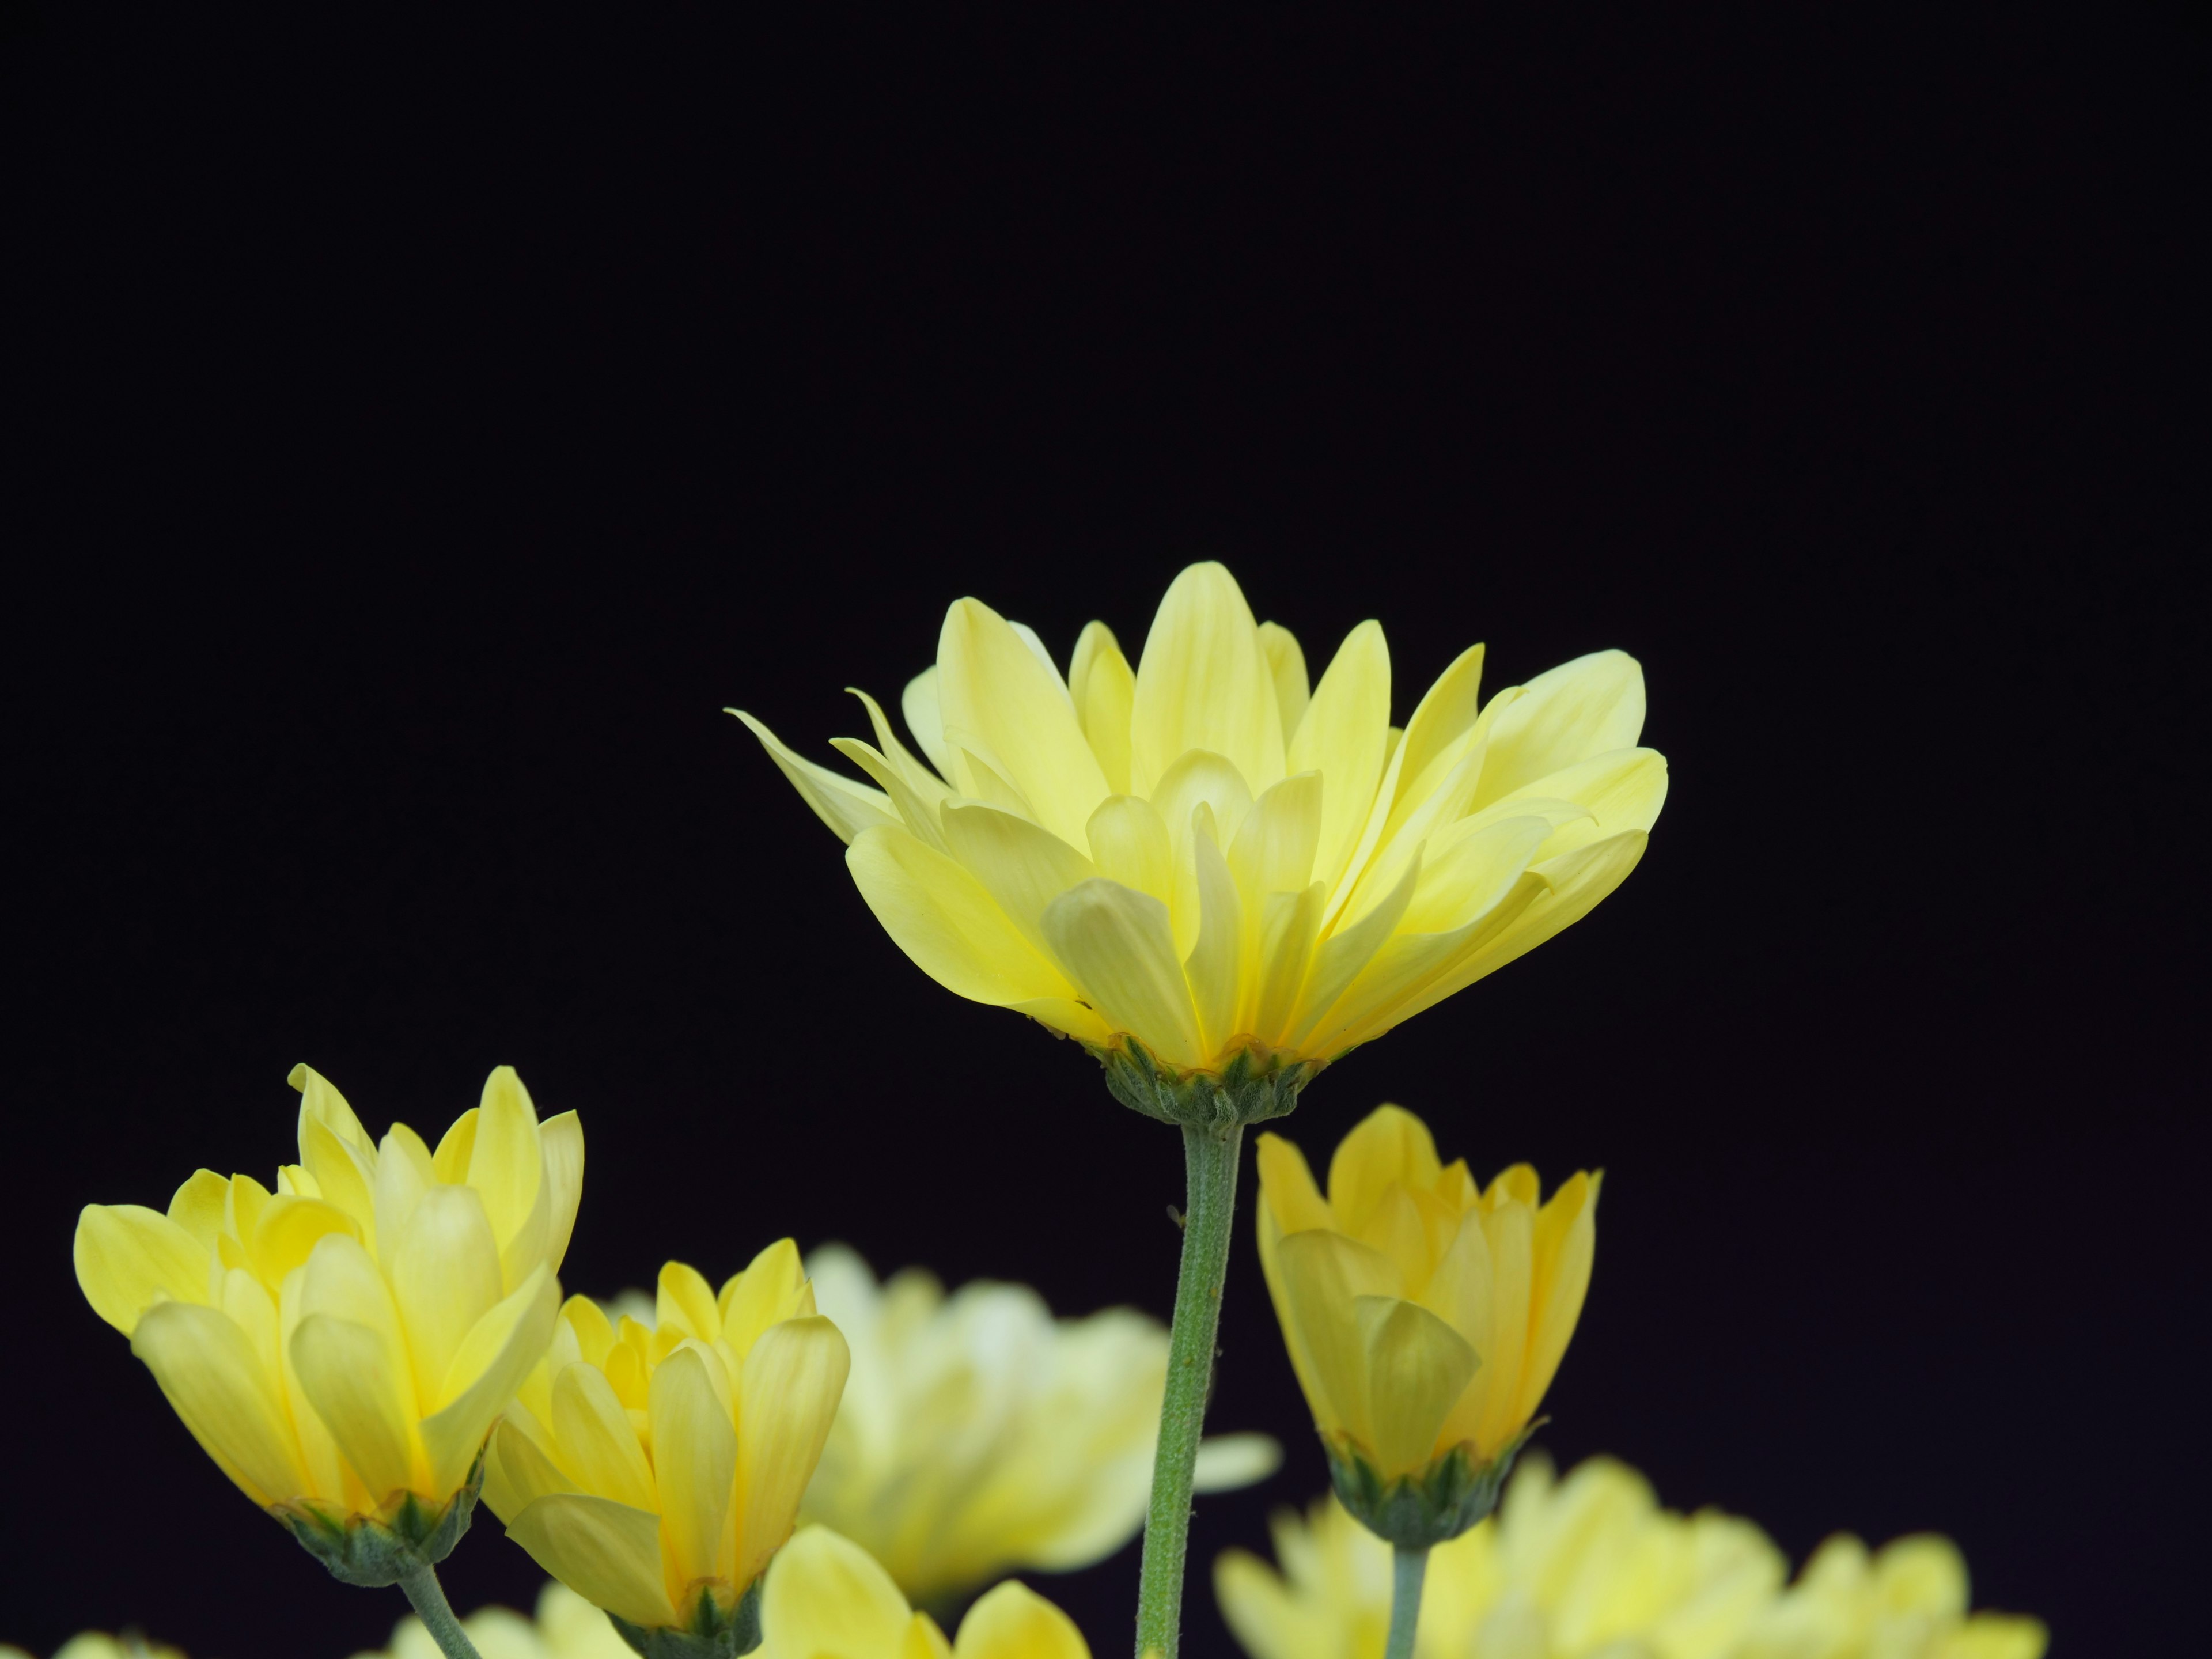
(828, 1598)
(567, 1627)
(1424, 1315)
(342, 1346)
(1908, 1600)
(1200, 868)
(980, 1435)
(1583, 1566)
(654, 1469)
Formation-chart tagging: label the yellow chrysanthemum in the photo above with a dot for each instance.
(567, 1627)
(1424, 1315)
(1203, 859)
(828, 1598)
(342, 1347)
(980, 1436)
(97, 1644)
(654, 1469)
(1907, 1601)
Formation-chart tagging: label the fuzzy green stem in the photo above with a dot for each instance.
(1212, 1156)
(428, 1597)
(1407, 1569)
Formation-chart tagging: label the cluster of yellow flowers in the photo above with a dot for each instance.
(1217, 876)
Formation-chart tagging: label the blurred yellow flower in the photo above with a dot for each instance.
(1583, 1566)
(1201, 866)
(828, 1598)
(567, 1627)
(654, 1469)
(97, 1644)
(1424, 1316)
(342, 1347)
(978, 1436)
(1909, 1600)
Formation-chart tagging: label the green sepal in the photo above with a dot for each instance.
(710, 1633)
(373, 1553)
(1256, 1084)
(1420, 1511)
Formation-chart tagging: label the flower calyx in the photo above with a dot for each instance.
(1420, 1511)
(1256, 1084)
(374, 1551)
(712, 1629)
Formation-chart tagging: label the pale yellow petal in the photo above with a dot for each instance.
(320, 1100)
(1117, 945)
(926, 786)
(287, 1231)
(1343, 736)
(1581, 708)
(1105, 690)
(198, 1205)
(344, 1173)
(917, 813)
(1286, 666)
(129, 1257)
(1229, 1462)
(1620, 791)
(1565, 1247)
(1287, 1187)
(1323, 1275)
(1417, 1367)
(517, 1472)
(485, 1371)
(1389, 1147)
(1994, 1636)
(695, 1447)
(948, 924)
(1205, 683)
(846, 806)
(789, 1393)
(770, 1289)
(1014, 1622)
(1129, 843)
(925, 719)
(444, 1277)
(1347, 951)
(1509, 1231)
(1023, 867)
(607, 1553)
(685, 1302)
(341, 1281)
(404, 1171)
(598, 1444)
(1290, 926)
(562, 1141)
(827, 1598)
(991, 682)
(352, 1377)
(506, 1164)
(1267, 1619)
(207, 1369)
(1215, 968)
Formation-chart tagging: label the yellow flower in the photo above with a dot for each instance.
(979, 1435)
(653, 1470)
(342, 1347)
(1907, 1601)
(1424, 1316)
(96, 1644)
(1200, 867)
(1565, 1569)
(830, 1598)
(567, 1627)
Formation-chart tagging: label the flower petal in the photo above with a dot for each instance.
(1205, 683)
(827, 1596)
(129, 1257)
(1588, 706)
(1343, 736)
(788, 1394)
(483, 1375)
(1286, 666)
(207, 1369)
(992, 684)
(1116, 944)
(1021, 865)
(1417, 1368)
(1104, 691)
(444, 1277)
(352, 1378)
(1014, 1622)
(695, 1447)
(847, 807)
(948, 923)
(598, 1444)
(607, 1553)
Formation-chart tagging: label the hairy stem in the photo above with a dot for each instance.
(1407, 1569)
(428, 1597)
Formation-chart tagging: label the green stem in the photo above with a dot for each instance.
(428, 1597)
(1407, 1569)
(1212, 1156)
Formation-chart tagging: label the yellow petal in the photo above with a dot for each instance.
(207, 1369)
(1347, 951)
(788, 1394)
(1215, 970)
(694, 1448)
(1229, 1462)
(1585, 708)
(1924, 1573)
(1103, 689)
(1205, 683)
(352, 1377)
(598, 1446)
(1343, 736)
(1273, 851)
(1290, 926)
(607, 1553)
(483, 1375)
(340, 1281)
(827, 1598)
(947, 923)
(769, 1290)
(1286, 667)
(1116, 944)
(198, 1205)
(506, 1165)
(683, 1302)
(1129, 843)
(321, 1101)
(129, 1257)
(517, 1472)
(846, 806)
(444, 1277)
(1287, 1188)
(1389, 1147)
(1324, 1274)
(1564, 1246)
(1417, 1367)
(1992, 1636)
(1268, 1620)
(1023, 867)
(926, 787)
(405, 1170)
(925, 719)
(917, 813)
(1615, 792)
(344, 1174)
(562, 1141)
(288, 1229)
(990, 683)
(1014, 1622)
(1509, 1230)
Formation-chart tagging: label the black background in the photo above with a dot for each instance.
(424, 434)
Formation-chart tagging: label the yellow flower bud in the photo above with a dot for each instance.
(828, 1598)
(654, 1469)
(1424, 1315)
(342, 1346)
(1216, 877)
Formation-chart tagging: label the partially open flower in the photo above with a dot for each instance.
(342, 1347)
(1424, 1315)
(1216, 877)
(980, 1436)
(654, 1469)
(830, 1598)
